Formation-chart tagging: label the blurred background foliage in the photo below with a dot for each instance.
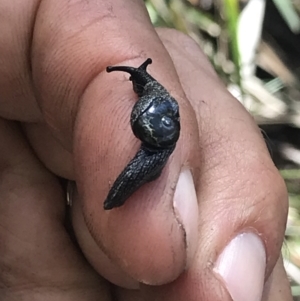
(254, 45)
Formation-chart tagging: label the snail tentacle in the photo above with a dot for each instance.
(139, 76)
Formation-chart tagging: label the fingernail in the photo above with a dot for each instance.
(242, 267)
(186, 211)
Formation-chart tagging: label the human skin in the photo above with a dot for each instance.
(219, 186)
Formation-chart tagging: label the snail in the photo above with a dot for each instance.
(155, 121)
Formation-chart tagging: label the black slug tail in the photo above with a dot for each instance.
(139, 76)
(146, 166)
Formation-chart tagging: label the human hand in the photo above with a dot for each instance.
(219, 183)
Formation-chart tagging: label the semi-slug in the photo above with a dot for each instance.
(155, 121)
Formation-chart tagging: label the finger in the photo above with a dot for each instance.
(38, 260)
(54, 156)
(88, 111)
(99, 260)
(17, 99)
(127, 295)
(242, 198)
(277, 287)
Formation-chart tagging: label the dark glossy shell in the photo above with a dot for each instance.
(158, 125)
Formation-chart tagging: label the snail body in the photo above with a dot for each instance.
(155, 121)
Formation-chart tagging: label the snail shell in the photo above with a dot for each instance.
(158, 125)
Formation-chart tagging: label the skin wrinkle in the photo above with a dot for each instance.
(114, 271)
(124, 101)
(85, 28)
(31, 35)
(20, 75)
